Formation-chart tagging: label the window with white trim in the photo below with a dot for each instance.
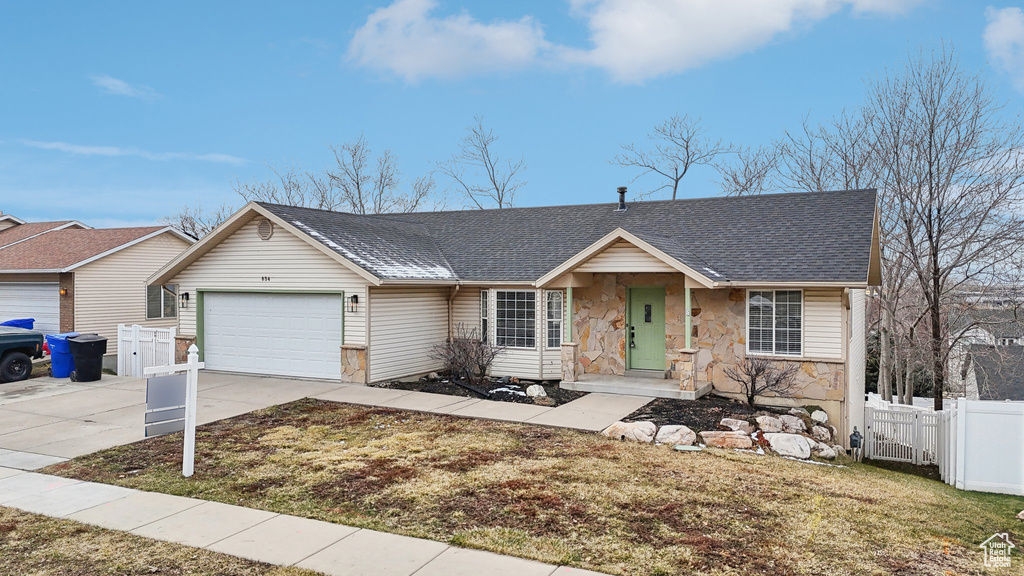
(161, 301)
(554, 316)
(483, 316)
(515, 318)
(775, 322)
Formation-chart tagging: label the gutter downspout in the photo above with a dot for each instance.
(451, 298)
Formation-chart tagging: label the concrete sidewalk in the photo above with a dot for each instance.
(332, 549)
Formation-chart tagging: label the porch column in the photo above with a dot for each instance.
(687, 377)
(570, 355)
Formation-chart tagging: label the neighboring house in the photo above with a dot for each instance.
(579, 294)
(993, 332)
(70, 277)
(994, 372)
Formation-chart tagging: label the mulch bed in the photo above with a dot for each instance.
(702, 414)
(511, 391)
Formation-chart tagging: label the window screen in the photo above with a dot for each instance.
(515, 318)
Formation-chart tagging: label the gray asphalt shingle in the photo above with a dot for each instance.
(797, 237)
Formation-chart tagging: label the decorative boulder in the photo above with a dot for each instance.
(535, 390)
(833, 430)
(821, 434)
(632, 431)
(1020, 516)
(726, 439)
(769, 423)
(792, 424)
(736, 424)
(820, 416)
(792, 445)
(544, 401)
(434, 376)
(822, 450)
(799, 412)
(839, 450)
(676, 436)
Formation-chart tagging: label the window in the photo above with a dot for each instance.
(775, 322)
(554, 319)
(162, 301)
(483, 316)
(515, 318)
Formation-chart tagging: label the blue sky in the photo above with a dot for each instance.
(119, 113)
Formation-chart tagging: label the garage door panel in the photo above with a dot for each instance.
(279, 334)
(39, 300)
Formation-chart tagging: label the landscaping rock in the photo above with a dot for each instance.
(839, 450)
(792, 424)
(798, 412)
(769, 423)
(535, 391)
(1020, 516)
(736, 424)
(433, 376)
(820, 416)
(675, 435)
(632, 431)
(726, 439)
(793, 445)
(822, 450)
(544, 401)
(821, 434)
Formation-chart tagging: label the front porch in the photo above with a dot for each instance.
(634, 386)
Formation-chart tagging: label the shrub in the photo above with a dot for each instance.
(466, 355)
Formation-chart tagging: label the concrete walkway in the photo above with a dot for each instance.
(332, 549)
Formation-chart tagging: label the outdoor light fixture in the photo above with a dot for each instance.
(183, 300)
(63, 291)
(353, 303)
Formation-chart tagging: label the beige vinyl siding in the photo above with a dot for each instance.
(405, 324)
(241, 262)
(112, 290)
(823, 323)
(466, 308)
(624, 257)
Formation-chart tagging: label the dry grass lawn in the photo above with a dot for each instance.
(41, 546)
(568, 497)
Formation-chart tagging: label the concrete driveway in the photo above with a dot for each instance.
(46, 420)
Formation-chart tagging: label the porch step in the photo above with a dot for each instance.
(652, 374)
(634, 387)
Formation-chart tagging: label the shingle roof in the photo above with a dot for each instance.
(796, 237)
(999, 371)
(60, 249)
(22, 231)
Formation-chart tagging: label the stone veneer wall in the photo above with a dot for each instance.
(718, 334)
(599, 320)
(353, 364)
(719, 325)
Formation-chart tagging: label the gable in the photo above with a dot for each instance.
(623, 256)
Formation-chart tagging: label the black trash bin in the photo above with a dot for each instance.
(88, 351)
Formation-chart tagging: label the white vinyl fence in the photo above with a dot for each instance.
(982, 446)
(904, 434)
(139, 348)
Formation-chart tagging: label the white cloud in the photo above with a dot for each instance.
(633, 40)
(1004, 41)
(119, 87)
(117, 151)
(406, 39)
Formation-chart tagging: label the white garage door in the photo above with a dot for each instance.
(280, 334)
(39, 300)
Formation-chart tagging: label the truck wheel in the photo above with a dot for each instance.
(15, 367)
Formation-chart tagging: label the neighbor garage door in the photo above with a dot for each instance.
(280, 334)
(39, 300)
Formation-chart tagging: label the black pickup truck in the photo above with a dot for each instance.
(17, 348)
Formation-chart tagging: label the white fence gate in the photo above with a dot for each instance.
(901, 434)
(139, 348)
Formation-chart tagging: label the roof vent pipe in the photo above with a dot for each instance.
(622, 199)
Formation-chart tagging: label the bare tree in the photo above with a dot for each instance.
(466, 355)
(759, 376)
(678, 144)
(478, 174)
(196, 222)
(955, 180)
(752, 171)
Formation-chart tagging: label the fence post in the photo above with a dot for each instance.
(188, 455)
(869, 420)
(136, 361)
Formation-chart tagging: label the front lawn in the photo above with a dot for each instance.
(569, 497)
(41, 546)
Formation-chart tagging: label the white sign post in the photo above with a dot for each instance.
(191, 370)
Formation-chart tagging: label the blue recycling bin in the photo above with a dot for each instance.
(26, 323)
(61, 361)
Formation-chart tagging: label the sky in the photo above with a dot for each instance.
(120, 113)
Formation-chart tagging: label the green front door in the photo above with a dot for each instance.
(645, 335)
